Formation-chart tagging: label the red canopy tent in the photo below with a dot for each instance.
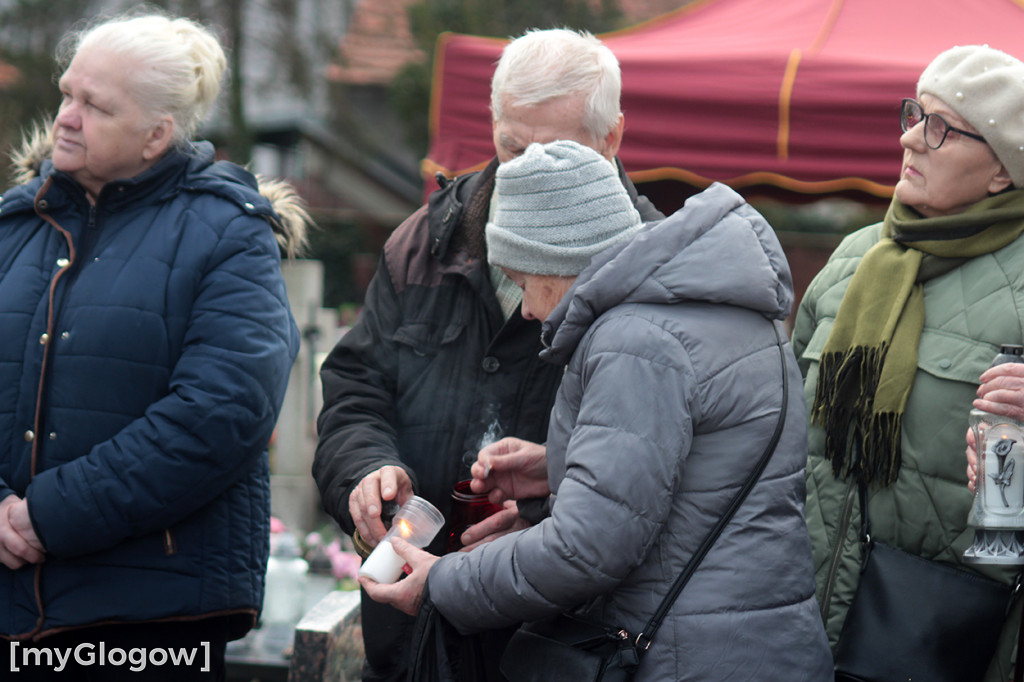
(801, 95)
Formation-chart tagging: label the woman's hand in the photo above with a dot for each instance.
(406, 594)
(972, 461)
(493, 527)
(511, 469)
(19, 544)
(1002, 390)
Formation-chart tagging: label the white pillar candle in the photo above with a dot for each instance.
(416, 522)
(383, 565)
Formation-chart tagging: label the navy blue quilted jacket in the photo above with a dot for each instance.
(145, 346)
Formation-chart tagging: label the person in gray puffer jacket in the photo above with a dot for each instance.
(672, 390)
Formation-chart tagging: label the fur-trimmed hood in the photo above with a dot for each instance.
(291, 226)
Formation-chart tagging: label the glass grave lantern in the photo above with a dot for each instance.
(997, 514)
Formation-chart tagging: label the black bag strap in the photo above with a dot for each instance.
(646, 636)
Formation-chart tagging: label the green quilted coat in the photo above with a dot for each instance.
(969, 312)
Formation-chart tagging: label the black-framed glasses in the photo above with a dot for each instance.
(935, 127)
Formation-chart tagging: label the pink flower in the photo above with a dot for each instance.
(343, 564)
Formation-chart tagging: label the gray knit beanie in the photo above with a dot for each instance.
(555, 207)
(986, 87)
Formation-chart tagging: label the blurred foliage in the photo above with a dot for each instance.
(29, 33)
(834, 216)
(410, 89)
(335, 244)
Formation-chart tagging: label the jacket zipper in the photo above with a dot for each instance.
(37, 422)
(844, 525)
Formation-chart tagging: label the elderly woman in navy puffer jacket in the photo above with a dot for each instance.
(671, 392)
(145, 346)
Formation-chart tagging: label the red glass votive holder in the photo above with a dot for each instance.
(468, 508)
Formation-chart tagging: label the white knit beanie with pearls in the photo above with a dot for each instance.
(986, 87)
(556, 206)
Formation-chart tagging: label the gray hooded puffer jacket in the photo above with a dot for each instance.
(672, 390)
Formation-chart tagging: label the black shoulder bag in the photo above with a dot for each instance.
(568, 647)
(917, 619)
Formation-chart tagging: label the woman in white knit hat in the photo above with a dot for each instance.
(892, 336)
(672, 390)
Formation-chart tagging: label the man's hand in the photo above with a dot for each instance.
(511, 469)
(19, 544)
(367, 500)
(406, 594)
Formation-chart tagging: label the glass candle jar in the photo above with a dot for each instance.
(468, 508)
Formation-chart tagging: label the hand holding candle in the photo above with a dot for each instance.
(1002, 390)
(503, 522)
(468, 509)
(416, 522)
(405, 595)
(972, 461)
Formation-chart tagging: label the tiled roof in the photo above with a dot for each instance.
(641, 10)
(8, 75)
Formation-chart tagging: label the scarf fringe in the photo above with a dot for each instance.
(843, 407)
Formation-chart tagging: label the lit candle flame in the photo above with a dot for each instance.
(404, 528)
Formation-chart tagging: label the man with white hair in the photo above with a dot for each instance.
(441, 354)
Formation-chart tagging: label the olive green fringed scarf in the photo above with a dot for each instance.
(869, 361)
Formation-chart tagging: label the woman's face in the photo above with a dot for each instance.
(947, 180)
(541, 293)
(101, 132)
